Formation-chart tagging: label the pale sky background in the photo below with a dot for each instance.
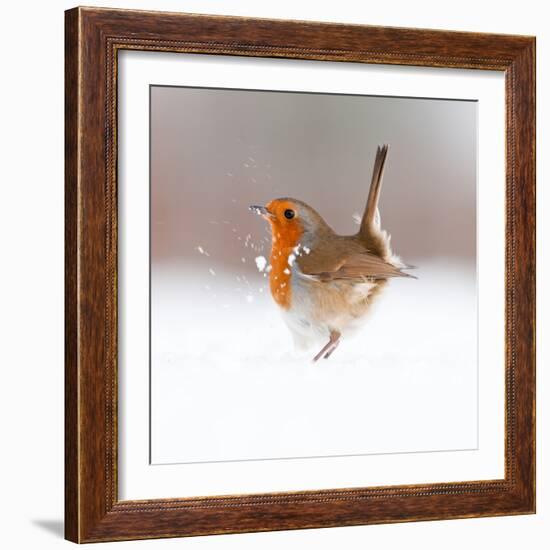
(214, 152)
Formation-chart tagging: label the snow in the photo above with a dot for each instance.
(261, 262)
(223, 364)
(255, 209)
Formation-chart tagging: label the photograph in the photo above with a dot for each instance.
(274, 275)
(313, 275)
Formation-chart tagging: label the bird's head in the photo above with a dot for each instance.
(292, 221)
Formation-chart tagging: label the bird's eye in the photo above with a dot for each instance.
(289, 214)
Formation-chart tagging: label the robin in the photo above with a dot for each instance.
(323, 282)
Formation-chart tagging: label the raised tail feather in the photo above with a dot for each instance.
(369, 223)
(375, 239)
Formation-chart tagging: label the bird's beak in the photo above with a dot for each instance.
(261, 211)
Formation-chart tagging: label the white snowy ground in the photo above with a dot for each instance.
(227, 385)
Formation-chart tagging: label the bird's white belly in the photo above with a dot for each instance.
(319, 308)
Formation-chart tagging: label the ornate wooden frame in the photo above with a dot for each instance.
(94, 36)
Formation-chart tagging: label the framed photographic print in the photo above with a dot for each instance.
(300, 275)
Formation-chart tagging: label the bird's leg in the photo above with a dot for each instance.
(331, 350)
(330, 346)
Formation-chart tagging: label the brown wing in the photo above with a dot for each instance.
(355, 266)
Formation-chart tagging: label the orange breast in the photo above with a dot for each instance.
(283, 245)
(279, 278)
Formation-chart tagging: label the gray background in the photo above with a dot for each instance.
(214, 152)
